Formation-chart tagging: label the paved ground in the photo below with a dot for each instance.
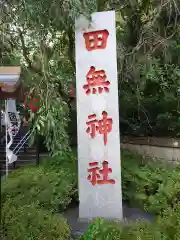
(78, 228)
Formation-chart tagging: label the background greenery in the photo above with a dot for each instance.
(153, 187)
(33, 199)
(28, 222)
(39, 35)
(165, 228)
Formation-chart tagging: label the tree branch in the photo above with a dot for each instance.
(25, 51)
(71, 47)
(37, 70)
(101, 5)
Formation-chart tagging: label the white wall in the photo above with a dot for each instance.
(164, 153)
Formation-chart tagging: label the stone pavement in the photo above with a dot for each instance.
(78, 228)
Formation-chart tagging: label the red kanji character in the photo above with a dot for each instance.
(104, 172)
(93, 125)
(96, 80)
(95, 174)
(96, 39)
(103, 126)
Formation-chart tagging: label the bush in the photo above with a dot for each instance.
(66, 161)
(50, 189)
(148, 184)
(170, 223)
(31, 223)
(31, 194)
(154, 186)
(104, 230)
(166, 227)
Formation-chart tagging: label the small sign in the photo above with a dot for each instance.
(98, 119)
(13, 122)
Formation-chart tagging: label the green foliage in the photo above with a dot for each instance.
(39, 36)
(149, 184)
(170, 223)
(155, 104)
(40, 39)
(100, 230)
(149, 67)
(28, 222)
(30, 192)
(52, 190)
(104, 230)
(32, 197)
(165, 228)
(46, 121)
(67, 161)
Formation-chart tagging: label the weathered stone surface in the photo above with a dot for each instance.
(152, 141)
